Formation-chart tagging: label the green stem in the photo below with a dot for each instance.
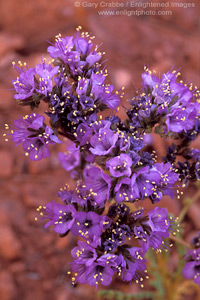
(179, 241)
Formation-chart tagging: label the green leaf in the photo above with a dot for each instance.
(116, 295)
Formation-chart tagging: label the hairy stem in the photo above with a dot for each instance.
(177, 240)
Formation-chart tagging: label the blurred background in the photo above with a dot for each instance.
(33, 262)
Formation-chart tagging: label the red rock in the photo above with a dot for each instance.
(32, 195)
(10, 247)
(7, 286)
(3, 216)
(63, 243)
(63, 295)
(5, 63)
(47, 285)
(33, 291)
(191, 55)
(10, 42)
(164, 65)
(6, 99)
(38, 167)
(122, 78)
(17, 267)
(6, 163)
(194, 214)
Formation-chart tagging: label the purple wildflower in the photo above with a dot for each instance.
(87, 225)
(144, 181)
(118, 210)
(184, 169)
(158, 219)
(75, 52)
(102, 270)
(99, 273)
(192, 134)
(131, 263)
(103, 92)
(154, 182)
(81, 196)
(84, 254)
(93, 58)
(142, 112)
(136, 143)
(80, 271)
(181, 118)
(120, 165)
(116, 235)
(98, 182)
(105, 222)
(45, 72)
(152, 228)
(96, 126)
(25, 83)
(196, 241)
(66, 196)
(192, 266)
(85, 197)
(86, 103)
(62, 49)
(168, 177)
(103, 141)
(34, 135)
(124, 191)
(107, 260)
(123, 143)
(70, 159)
(137, 214)
(60, 216)
(83, 134)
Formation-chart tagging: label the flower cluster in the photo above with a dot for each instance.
(34, 135)
(165, 101)
(113, 168)
(33, 84)
(103, 249)
(75, 88)
(189, 167)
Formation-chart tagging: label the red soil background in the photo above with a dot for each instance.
(33, 261)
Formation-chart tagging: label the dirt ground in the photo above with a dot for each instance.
(34, 262)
